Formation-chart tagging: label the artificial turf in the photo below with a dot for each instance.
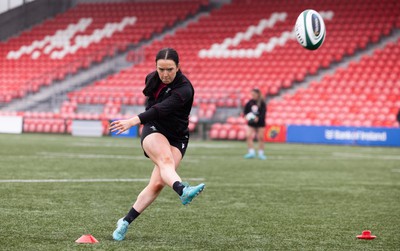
(303, 197)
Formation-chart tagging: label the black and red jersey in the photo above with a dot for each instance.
(168, 106)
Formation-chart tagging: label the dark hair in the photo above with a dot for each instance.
(168, 53)
(153, 80)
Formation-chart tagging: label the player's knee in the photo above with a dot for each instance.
(166, 160)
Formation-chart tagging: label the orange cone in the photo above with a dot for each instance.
(366, 235)
(86, 238)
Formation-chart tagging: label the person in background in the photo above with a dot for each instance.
(165, 134)
(398, 117)
(254, 112)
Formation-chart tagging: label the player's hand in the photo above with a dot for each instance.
(256, 119)
(120, 126)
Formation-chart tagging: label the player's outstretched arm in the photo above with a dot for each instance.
(121, 126)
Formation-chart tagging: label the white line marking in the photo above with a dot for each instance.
(370, 156)
(198, 158)
(86, 180)
(112, 145)
(216, 146)
(88, 156)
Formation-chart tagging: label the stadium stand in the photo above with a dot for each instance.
(224, 79)
(225, 53)
(275, 69)
(366, 93)
(74, 40)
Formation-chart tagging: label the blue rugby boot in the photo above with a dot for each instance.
(122, 228)
(250, 156)
(189, 193)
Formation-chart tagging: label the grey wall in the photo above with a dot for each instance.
(16, 20)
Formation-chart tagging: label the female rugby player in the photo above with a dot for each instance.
(255, 111)
(165, 134)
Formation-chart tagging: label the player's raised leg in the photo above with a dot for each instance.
(162, 154)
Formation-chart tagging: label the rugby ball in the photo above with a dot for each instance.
(310, 29)
(250, 116)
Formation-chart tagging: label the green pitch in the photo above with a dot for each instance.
(303, 197)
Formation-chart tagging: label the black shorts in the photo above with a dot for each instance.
(256, 125)
(150, 128)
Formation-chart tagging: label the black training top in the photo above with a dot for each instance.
(169, 110)
(257, 110)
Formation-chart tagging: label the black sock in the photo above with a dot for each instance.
(132, 215)
(178, 187)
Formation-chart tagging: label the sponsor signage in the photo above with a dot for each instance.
(275, 133)
(344, 135)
